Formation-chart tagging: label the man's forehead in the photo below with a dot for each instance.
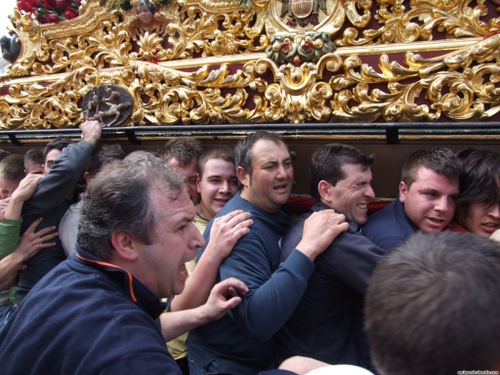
(174, 204)
(211, 165)
(8, 184)
(175, 163)
(53, 154)
(265, 149)
(435, 179)
(352, 169)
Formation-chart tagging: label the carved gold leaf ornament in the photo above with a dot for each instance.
(208, 66)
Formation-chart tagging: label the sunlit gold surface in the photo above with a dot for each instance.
(204, 62)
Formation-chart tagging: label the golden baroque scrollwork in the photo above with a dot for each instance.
(453, 85)
(205, 62)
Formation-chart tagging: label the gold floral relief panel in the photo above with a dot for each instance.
(216, 62)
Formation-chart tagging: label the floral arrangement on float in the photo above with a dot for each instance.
(50, 11)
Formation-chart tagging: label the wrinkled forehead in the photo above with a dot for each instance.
(167, 202)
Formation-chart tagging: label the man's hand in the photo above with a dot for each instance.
(29, 245)
(224, 296)
(32, 242)
(91, 131)
(27, 187)
(320, 229)
(25, 190)
(3, 207)
(495, 235)
(225, 232)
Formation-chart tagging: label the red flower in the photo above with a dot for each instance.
(286, 47)
(23, 6)
(307, 46)
(50, 4)
(42, 18)
(62, 5)
(70, 13)
(52, 18)
(28, 5)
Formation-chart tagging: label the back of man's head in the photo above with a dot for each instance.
(184, 149)
(327, 162)
(438, 159)
(56, 144)
(33, 160)
(432, 306)
(102, 154)
(118, 200)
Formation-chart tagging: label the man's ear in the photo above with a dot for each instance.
(324, 190)
(124, 245)
(198, 181)
(403, 190)
(243, 176)
(86, 176)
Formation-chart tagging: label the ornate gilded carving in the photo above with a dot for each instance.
(309, 48)
(206, 62)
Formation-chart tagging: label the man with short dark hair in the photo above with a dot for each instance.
(4, 154)
(11, 174)
(52, 151)
(217, 183)
(432, 306)
(242, 342)
(100, 312)
(33, 160)
(328, 322)
(428, 192)
(183, 153)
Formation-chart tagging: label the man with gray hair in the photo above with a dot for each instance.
(100, 312)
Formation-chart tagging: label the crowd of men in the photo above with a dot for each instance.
(95, 244)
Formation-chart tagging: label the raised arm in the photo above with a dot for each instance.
(55, 186)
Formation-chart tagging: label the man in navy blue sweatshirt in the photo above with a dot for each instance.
(328, 322)
(242, 342)
(100, 312)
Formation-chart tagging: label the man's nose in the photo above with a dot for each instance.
(495, 210)
(442, 204)
(369, 192)
(224, 188)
